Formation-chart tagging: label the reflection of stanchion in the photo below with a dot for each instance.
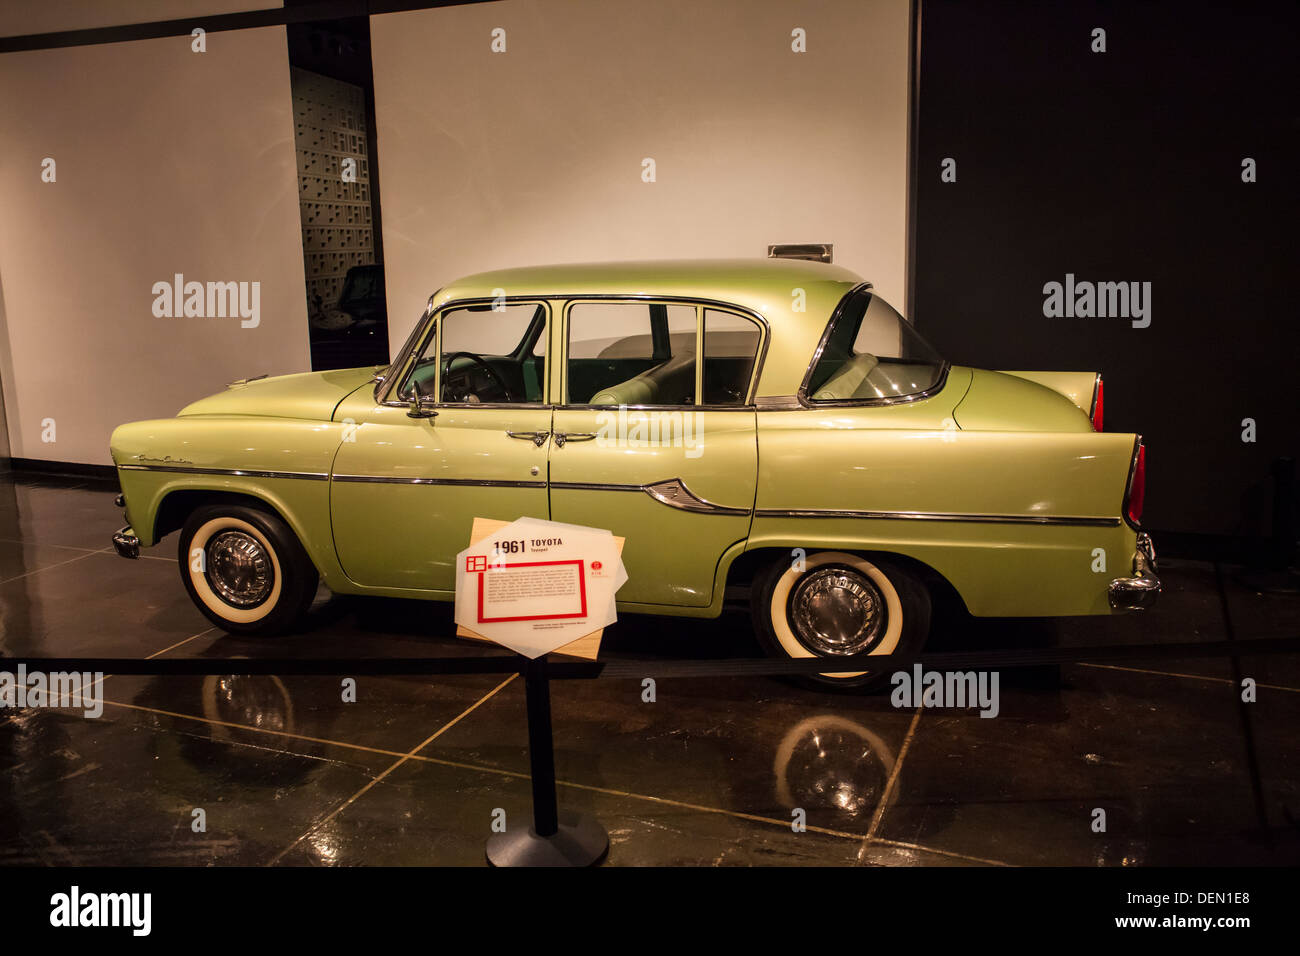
(1278, 577)
(554, 839)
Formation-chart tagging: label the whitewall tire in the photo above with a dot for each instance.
(245, 569)
(834, 604)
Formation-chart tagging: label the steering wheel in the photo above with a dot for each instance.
(471, 394)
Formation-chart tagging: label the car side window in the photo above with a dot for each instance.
(484, 354)
(872, 354)
(646, 353)
(631, 353)
(730, 351)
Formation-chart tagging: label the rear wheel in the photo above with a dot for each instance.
(834, 604)
(245, 569)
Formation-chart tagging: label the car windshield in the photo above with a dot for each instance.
(873, 354)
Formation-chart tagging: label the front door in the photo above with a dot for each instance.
(405, 491)
(655, 445)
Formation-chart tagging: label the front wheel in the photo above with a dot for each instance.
(834, 604)
(245, 569)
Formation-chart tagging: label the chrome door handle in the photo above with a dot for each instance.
(537, 438)
(562, 437)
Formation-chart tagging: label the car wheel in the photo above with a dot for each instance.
(834, 604)
(245, 569)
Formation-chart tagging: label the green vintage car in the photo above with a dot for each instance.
(771, 424)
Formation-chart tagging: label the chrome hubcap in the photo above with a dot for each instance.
(239, 569)
(837, 610)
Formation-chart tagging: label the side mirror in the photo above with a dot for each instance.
(419, 408)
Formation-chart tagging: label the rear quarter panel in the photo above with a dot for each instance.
(966, 503)
(1079, 387)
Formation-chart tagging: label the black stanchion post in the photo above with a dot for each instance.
(541, 748)
(555, 838)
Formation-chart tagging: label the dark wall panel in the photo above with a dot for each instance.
(1124, 166)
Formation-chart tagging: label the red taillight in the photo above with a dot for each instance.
(1137, 487)
(1096, 406)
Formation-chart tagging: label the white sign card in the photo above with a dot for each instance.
(535, 585)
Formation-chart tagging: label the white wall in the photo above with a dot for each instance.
(167, 161)
(20, 17)
(534, 155)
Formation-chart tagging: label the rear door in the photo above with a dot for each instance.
(654, 444)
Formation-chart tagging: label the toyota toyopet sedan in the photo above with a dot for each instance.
(773, 423)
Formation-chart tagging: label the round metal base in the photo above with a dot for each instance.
(581, 841)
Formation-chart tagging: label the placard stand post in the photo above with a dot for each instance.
(555, 838)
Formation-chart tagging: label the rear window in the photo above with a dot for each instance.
(873, 354)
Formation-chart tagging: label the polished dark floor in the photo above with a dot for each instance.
(413, 772)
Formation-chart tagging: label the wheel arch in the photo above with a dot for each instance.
(742, 569)
(175, 505)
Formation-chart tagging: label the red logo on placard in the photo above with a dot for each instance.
(595, 565)
(476, 562)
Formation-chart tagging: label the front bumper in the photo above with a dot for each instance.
(1139, 592)
(126, 543)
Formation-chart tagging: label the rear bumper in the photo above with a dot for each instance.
(1139, 592)
(126, 543)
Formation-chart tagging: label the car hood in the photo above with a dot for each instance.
(996, 401)
(308, 395)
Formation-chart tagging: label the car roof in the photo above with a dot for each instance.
(768, 287)
(748, 282)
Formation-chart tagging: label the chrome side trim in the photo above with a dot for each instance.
(230, 472)
(594, 486)
(675, 494)
(470, 482)
(937, 516)
(671, 492)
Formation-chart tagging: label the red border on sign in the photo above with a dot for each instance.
(582, 595)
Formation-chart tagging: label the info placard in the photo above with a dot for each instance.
(531, 591)
(538, 586)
